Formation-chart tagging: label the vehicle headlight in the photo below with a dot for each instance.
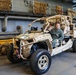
(23, 37)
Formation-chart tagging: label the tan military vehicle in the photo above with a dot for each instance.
(36, 45)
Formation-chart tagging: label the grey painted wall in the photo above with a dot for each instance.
(20, 5)
(12, 24)
(58, 2)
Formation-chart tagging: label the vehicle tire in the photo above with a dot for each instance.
(74, 46)
(40, 61)
(10, 56)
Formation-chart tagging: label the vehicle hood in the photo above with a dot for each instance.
(28, 36)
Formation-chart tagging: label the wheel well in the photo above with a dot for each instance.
(39, 45)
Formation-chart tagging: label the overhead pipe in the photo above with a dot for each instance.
(18, 17)
(4, 27)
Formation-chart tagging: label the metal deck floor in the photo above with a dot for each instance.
(62, 64)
